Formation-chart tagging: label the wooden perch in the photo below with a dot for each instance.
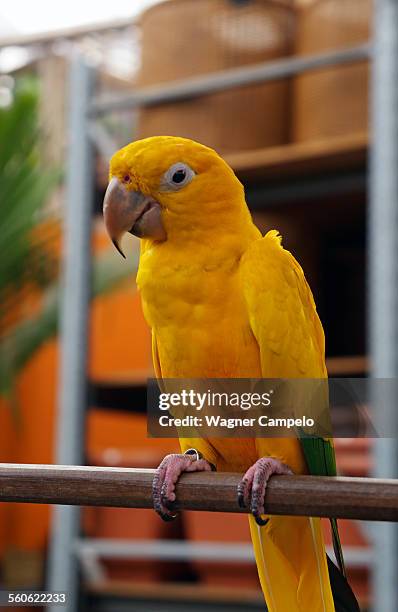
(354, 498)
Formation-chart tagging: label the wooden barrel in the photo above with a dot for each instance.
(334, 101)
(185, 38)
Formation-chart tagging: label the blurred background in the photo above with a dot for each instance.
(300, 146)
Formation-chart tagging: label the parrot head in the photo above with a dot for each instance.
(162, 187)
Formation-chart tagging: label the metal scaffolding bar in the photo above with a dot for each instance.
(62, 567)
(383, 276)
(227, 79)
(355, 498)
(44, 38)
(183, 550)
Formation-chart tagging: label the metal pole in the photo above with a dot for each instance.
(228, 79)
(180, 550)
(62, 568)
(383, 278)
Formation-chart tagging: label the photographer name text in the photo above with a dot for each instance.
(217, 421)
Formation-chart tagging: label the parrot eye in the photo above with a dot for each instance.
(177, 176)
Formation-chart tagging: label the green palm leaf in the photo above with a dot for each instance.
(25, 185)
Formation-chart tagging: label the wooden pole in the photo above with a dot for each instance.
(354, 498)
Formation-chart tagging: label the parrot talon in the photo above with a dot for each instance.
(166, 478)
(167, 518)
(166, 502)
(164, 511)
(242, 497)
(254, 483)
(260, 521)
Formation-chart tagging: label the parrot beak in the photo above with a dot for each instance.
(131, 211)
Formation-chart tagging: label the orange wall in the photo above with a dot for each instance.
(119, 351)
(120, 345)
(30, 440)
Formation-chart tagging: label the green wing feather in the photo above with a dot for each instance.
(319, 455)
(321, 461)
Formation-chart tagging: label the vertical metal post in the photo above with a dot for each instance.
(383, 279)
(62, 567)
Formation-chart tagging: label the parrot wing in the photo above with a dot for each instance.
(282, 311)
(291, 340)
(286, 325)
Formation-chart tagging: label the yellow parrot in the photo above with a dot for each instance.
(224, 302)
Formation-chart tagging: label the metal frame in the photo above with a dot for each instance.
(383, 276)
(46, 38)
(62, 570)
(228, 79)
(90, 552)
(178, 550)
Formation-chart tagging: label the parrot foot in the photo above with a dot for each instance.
(251, 489)
(167, 475)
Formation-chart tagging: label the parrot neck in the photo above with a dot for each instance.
(228, 238)
(211, 225)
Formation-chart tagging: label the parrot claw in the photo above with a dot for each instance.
(241, 497)
(167, 503)
(251, 489)
(166, 478)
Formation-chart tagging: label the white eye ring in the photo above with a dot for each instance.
(177, 177)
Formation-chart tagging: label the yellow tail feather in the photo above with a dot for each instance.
(291, 562)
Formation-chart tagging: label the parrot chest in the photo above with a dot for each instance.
(199, 321)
